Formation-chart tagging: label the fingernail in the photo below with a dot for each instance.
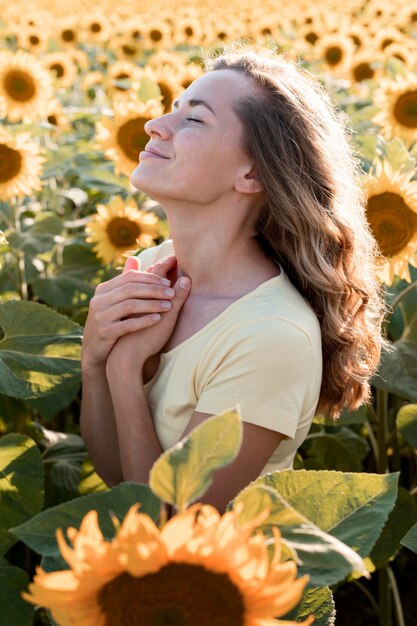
(165, 281)
(184, 282)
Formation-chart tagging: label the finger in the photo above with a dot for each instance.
(162, 268)
(182, 289)
(135, 323)
(129, 276)
(106, 301)
(129, 308)
(132, 263)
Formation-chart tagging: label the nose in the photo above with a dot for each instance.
(157, 126)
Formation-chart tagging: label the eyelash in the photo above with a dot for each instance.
(192, 119)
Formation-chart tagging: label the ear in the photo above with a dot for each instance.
(248, 180)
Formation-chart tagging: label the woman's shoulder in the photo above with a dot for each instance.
(152, 255)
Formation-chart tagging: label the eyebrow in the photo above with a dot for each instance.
(193, 102)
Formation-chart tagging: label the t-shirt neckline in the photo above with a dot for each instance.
(278, 278)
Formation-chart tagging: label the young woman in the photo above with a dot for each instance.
(265, 294)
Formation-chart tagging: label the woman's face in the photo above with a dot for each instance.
(200, 142)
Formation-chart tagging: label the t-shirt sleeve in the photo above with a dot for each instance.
(266, 366)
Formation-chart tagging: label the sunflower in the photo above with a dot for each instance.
(124, 137)
(398, 101)
(391, 212)
(365, 65)
(123, 71)
(56, 116)
(336, 52)
(96, 28)
(120, 226)
(200, 568)
(32, 39)
(156, 35)
(25, 86)
(20, 165)
(169, 83)
(62, 67)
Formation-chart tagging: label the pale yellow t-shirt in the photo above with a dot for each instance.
(262, 352)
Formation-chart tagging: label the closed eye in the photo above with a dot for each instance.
(193, 119)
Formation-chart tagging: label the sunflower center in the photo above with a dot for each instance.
(179, 594)
(10, 163)
(155, 34)
(392, 221)
(363, 71)
(122, 231)
(311, 37)
(95, 27)
(405, 109)
(333, 55)
(34, 40)
(68, 35)
(167, 96)
(131, 137)
(58, 69)
(19, 85)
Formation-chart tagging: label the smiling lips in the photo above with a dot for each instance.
(152, 152)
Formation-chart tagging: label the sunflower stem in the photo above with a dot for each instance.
(373, 441)
(402, 294)
(396, 597)
(384, 598)
(20, 265)
(382, 413)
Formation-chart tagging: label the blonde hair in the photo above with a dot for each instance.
(313, 221)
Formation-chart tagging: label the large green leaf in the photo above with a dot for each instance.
(336, 560)
(90, 481)
(353, 507)
(14, 610)
(184, 472)
(50, 405)
(63, 290)
(39, 350)
(398, 370)
(401, 518)
(410, 539)
(316, 601)
(341, 450)
(39, 532)
(62, 459)
(21, 484)
(41, 236)
(407, 424)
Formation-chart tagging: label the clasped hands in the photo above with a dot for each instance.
(120, 332)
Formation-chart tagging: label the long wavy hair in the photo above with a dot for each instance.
(313, 219)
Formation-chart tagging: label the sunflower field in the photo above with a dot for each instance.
(334, 538)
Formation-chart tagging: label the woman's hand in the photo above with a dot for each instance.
(125, 305)
(130, 352)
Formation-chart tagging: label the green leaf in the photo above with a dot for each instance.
(336, 560)
(39, 532)
(407, 424)
(49, 406)
(148, 89)
(63, 290)
(184, 472)
(21, 484)
(410, 539)
(90, 481)
(39, 350)
(62, 461)
(104, 180)
(39, 237)
(14, 610)
(316, 601)
(401, 518)
(341, 450)
(398, 370)
(353, 507)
